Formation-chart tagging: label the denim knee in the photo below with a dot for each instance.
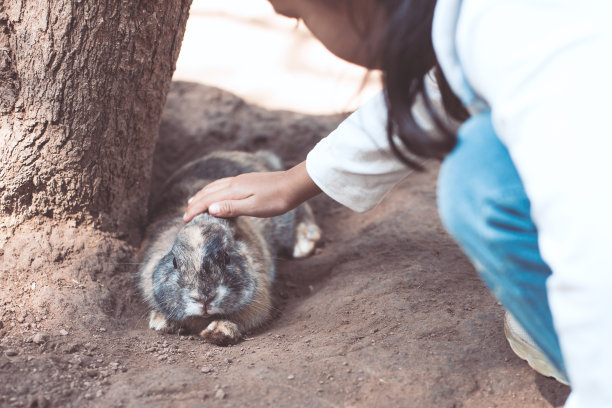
(483, 205)
(479, 191)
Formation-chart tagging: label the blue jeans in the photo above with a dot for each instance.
(484, 206)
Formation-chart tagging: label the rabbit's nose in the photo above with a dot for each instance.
(205, 306)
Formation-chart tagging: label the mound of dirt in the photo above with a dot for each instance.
(387, 313)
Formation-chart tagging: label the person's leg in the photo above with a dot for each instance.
(483, 205)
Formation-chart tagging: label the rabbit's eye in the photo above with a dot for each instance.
(226, 258)
(174, 263)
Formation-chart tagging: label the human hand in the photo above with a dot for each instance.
(255, 194)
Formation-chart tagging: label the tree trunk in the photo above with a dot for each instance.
(82, 87)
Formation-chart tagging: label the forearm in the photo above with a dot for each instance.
(300, 186)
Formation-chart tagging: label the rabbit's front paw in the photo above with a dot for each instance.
(158, 321)
(221, 333)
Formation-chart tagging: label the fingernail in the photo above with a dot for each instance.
(214, 208)
(190, 200)
(185, 217)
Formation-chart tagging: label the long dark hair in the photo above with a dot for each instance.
(406, 55)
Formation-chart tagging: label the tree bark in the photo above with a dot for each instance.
(82, 86)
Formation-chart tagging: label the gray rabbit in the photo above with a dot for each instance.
(214, 275)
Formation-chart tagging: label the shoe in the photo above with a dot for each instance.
(524, 347)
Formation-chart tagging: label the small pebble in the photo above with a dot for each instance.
(64, 332)
(206, 369)
(11, 353)
(220, 394)
(290, 377)
(40, 402)
(40, 338)
(72, 348)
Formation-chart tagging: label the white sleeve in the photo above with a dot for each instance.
(354, 164)
(545, 69)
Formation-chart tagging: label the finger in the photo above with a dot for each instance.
(212, 188)
(194, 208)
(222, 191)
(225, 209)
(250, 206)
(201, 203)
(233, 208)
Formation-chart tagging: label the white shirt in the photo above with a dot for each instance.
(544, 68)
(354, 164)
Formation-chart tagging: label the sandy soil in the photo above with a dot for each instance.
(388, 312)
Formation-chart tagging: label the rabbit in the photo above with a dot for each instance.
(211, 274)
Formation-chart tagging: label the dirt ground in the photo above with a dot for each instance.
(387, 313)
